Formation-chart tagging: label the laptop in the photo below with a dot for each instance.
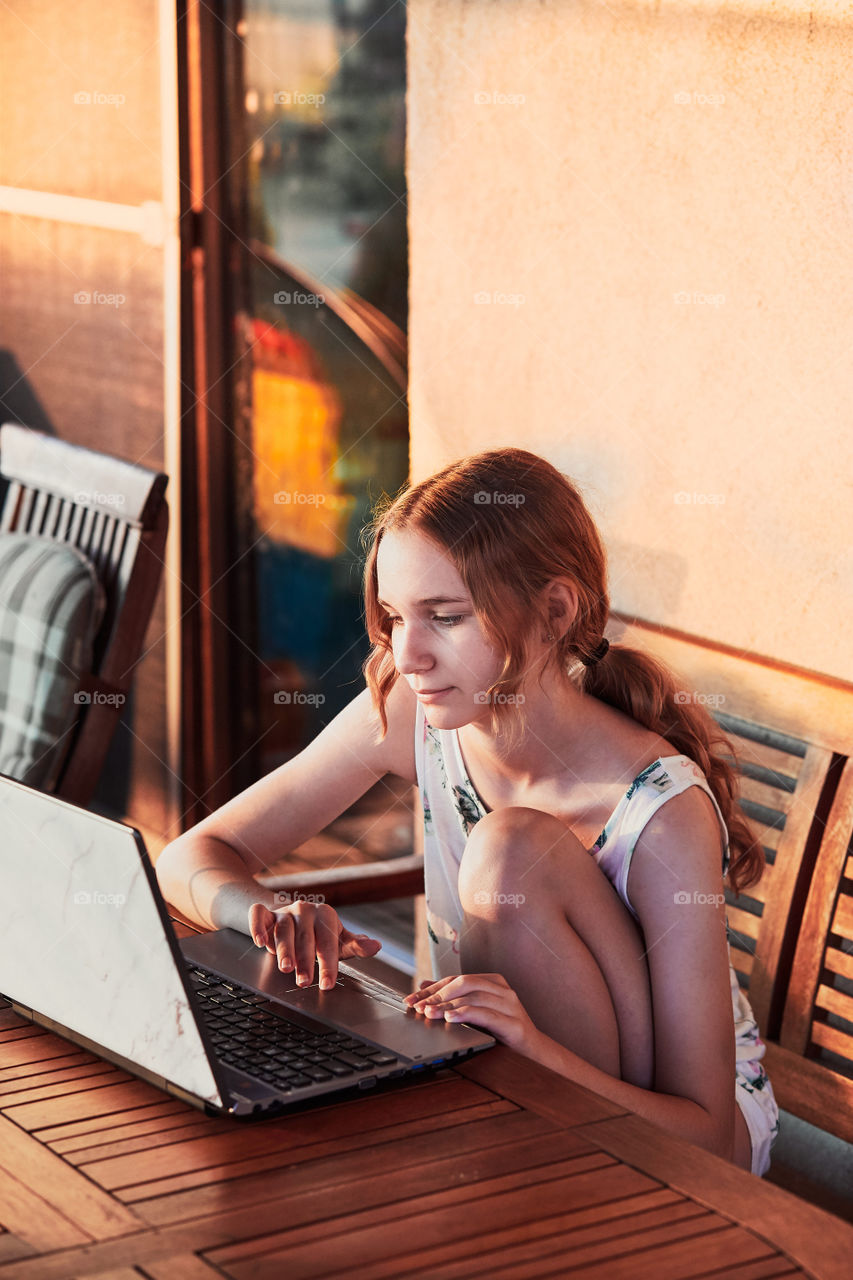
(87, 949)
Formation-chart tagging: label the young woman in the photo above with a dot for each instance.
(578, 817)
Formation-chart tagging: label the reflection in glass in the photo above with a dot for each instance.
(325, 111)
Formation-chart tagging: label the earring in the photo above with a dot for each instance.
(549, 635)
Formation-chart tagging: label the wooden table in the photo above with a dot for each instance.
(496, 1168)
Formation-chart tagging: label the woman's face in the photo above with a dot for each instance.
(436, 639)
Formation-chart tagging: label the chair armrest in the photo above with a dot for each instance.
(365, 882)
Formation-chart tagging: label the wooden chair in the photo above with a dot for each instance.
(115, 513)
(792, 934)
(813, 1061)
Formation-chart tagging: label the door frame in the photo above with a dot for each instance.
(218, 615)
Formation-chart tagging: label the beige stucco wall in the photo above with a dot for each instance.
(656, 200)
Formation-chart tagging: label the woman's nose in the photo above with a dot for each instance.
(411, 650)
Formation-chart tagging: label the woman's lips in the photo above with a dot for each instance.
(432, 695)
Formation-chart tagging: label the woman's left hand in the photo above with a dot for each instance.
(484, 999)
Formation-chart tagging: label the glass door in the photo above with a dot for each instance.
(324, 84)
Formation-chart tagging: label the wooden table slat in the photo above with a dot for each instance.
(12, 1246)
(729, 1248)
(185, 1266)
(9, 1018)
(819, 1241)
(148, 1135)
(236, 1140)
(79, 1105)
(532, 1086)
(199, 1192)
(121, 1273)
(37, 1051)
(776, 1266)
(61, 1084)
(26, 1071)
(45, 1189)
(33, 1220)
(161, 1131)
(306, 1209)
(647, 1250)
(349, 1160)
(431, 1217)
(80, 1133)
(20, 1030)
(461, 1258)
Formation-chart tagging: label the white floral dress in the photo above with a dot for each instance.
(451, 808)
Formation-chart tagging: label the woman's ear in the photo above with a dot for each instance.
(560, 606)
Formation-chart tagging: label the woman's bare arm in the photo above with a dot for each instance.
(208, 872)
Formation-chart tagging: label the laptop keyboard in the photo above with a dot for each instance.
(254, 1034)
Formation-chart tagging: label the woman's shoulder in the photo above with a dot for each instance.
(670, 770)
(632, 751)
(670, 807)
(662, 783)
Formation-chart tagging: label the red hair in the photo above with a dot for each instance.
(511, 523)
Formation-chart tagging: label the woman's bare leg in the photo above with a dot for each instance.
(539, 911)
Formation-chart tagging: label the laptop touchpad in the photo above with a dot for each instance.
(414, 1038)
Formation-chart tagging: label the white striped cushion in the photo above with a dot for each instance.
(51, 604)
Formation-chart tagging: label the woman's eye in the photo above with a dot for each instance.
(445, 619)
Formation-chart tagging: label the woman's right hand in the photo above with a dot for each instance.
(297, 933)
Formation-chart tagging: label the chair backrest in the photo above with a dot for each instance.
(791, 935)
(115, 513)
(818, 1017)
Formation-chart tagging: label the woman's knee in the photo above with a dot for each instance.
(510, 851)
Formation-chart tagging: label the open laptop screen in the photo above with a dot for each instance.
(83, 941)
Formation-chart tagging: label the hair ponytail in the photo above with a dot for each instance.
(512, 523)
(643, 688)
